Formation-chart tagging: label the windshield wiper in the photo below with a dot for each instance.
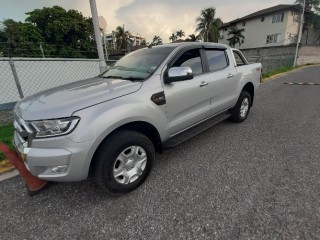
(133, 78)
(125, 78)
(116, 77)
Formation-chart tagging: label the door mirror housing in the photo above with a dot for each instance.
(177, 74)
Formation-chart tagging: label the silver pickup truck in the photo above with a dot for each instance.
(112, 125)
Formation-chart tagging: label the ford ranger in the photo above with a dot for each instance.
(111, 126)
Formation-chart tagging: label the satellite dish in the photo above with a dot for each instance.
(102, 23)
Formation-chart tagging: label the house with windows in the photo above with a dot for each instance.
(274, 26)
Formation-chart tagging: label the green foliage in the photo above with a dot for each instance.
(173, 37)
(208, 25)
(236, 36)
(193, 38)
(157, 40)
(6, 136)
(277, 71)
(61, 34)
(180, 34)
(122, 38)
(310, 4)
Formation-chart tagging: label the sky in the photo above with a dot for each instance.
(145, 17)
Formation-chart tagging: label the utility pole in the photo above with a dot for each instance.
(300, 33)
(97, 33)
(41, 49)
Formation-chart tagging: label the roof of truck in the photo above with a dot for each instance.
(202, 44)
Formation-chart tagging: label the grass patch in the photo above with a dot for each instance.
(277, 71)
(6, 136)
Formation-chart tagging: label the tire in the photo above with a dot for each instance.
(237, 114)
(115, 170)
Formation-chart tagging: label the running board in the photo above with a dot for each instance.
(194, 131)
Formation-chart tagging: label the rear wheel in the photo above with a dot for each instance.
(123, 161)
(241, 111)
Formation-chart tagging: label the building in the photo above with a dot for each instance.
(136, 40)
(274, 26)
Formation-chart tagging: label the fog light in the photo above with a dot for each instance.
(60, 169)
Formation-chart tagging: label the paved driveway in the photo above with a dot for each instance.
(256, 180)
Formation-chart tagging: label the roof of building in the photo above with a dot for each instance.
(264, 12)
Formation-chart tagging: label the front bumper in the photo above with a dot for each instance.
(54, 159)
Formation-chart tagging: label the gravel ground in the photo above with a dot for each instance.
(255, 180)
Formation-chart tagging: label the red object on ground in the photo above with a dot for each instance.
(34, 184)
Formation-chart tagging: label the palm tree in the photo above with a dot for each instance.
(122, 38)
(173, 37)
(193, 38)
(310, 4)
(180, 33)
(208, 25)
(157, 40)
(237, 36)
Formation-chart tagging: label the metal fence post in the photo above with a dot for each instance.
(16, 78)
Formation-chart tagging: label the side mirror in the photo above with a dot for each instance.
(176, 74)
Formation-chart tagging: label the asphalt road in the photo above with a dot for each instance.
(255, 180)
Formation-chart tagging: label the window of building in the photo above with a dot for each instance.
(262, 19)
(217, 59)
(273, 38)
(279, 17)
(243, 24)
(190, 59)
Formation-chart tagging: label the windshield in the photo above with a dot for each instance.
(138, 65)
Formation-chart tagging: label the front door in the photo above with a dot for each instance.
(188, 102)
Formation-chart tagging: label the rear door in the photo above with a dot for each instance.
(188, 102)
(224, 79)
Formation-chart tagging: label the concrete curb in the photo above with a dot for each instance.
(288, 72)
(7, 175)
(5, 166)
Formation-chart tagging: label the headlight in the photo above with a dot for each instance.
(54, 127)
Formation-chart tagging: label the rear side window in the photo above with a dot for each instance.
(238, 58)
(190, 59)
(217, 59)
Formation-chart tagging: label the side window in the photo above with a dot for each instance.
(239, 59)
(190, 59)
(217, 60)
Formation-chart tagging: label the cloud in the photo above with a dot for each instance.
(146, 17)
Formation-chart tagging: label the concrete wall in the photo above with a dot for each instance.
(309, 55)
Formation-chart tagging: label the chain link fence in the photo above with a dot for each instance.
(273, 62)
(22, 77)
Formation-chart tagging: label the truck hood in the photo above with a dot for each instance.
(62, 101)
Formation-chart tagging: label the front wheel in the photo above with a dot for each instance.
(241, 111)
(123, 161)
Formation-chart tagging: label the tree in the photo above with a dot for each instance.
(21, 39)
(180, 34)
(173, 37)
(237, 36)
(65, 33)
(310, 4)
(122, 38)
(208, 25)
(157, 40)
(193, 38)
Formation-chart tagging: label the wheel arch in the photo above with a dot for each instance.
(140, 126)
(249, 87)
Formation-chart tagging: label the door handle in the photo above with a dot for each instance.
(230, 75)
(203, 84)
